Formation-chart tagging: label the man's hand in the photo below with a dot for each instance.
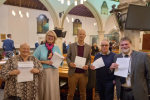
(85, 67)
(14, 72)
(92, 67)
(72, 64)
(113, 66)
(34, 70)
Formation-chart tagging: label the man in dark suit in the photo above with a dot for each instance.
(64, 48)
(135, 86)
(77, 75)
(8, 46)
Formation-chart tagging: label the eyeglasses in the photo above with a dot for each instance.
(104, 45)
(50, 36)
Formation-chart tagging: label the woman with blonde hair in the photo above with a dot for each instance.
(49, 81)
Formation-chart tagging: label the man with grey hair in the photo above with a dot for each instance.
(135, 86)
(105, 80)
(77, 75)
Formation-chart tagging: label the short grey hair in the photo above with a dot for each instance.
(55, 36)
(125, 39)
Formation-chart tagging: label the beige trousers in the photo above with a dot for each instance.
(77, 78)
(49, 85)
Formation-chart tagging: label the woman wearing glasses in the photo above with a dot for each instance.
(49, 81)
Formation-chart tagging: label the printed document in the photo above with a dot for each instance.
(98, 63)
(25, 68)
(122, 69)
(80, 62)
(57, 59)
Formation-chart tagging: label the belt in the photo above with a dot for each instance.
(126, 88)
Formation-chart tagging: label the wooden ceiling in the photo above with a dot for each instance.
(81, 10)
(33, 4)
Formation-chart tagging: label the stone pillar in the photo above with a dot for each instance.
(134, 35)
(100, 37)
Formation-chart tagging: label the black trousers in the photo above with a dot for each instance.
(126, 94)
(105, 90)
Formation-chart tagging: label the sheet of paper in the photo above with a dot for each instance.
(98, 63)
(80, 62)
(2, 62)
(57, 59)
(122, 69)
(25, 74)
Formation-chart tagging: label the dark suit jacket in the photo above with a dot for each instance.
(140, 72)
(8, 45)
(73, 52)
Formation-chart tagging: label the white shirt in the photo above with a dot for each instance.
(128, 79)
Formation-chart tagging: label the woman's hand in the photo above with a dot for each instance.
(49, 62)
(14, 72)
(64, 59)
(34, 70)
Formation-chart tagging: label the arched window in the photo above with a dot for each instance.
(42, 24)
(76, 26)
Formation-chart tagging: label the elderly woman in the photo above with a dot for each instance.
(25, 90)
(49, 81)
(95, 49)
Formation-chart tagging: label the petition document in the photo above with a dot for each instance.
(122, 69)
(98, 63)
(25, 74)
(80, 62)
(57, 59)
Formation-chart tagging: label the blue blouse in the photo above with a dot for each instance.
(41, 54)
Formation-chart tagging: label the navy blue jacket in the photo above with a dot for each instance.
(103, 73)
(8, 45)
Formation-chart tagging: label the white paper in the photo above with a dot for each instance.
(98, 63)
(2, 62)
(122, 69)
(80, 62)
(57, 59)
(25, 74)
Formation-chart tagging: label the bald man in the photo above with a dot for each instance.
(104, 79)
(78, 75)
(25, 90)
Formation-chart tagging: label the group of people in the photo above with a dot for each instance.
(45, 85)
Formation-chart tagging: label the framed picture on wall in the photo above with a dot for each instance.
(3, 36)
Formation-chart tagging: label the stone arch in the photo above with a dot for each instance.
(50, 9)
(93, 11)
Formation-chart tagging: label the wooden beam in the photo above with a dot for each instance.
(36, 5)
(29, 3)
(32, 4)
(43, 7)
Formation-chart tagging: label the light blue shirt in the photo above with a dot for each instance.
(41, 54)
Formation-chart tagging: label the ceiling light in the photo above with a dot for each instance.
(72, 20)
(68, 2)
(27, 14)
(19, 12)
(62, 1)
(81, 1)
(75, 3)
(68, 20)
(21, 15)
(84, 0)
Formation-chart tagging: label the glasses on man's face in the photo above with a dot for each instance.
(50, 36)
(104, 45)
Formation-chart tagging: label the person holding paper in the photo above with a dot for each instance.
(78, 75)
(104, 80)
(135, 86)
(49, 81)
(25, 90)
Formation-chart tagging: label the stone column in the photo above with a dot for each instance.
(134, 35)
(100, 37)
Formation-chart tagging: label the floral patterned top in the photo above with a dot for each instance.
(25, 90)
